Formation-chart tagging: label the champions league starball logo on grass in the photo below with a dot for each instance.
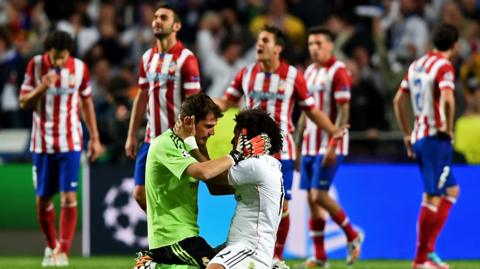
(124, 217)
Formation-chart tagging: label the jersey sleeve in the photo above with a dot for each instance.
(341, 86)
(445, 78)
(301, 94)
(85, 88)
(191, 75)
(142, 75)
(249, 171)
(29, 79)
(171, 154)
(234, 92)
(404, 84)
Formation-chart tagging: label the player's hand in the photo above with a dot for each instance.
(258, 145)
(408, 145)
(131, 147)
(95, 149)
(340, 131)
(185, 127)
(330, 156)
(50, 78)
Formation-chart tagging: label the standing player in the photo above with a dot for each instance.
(259, 193)
(56, 87)
(172, 173)
(430, 83)
(168, 72)
(329, 83)
(273, 86)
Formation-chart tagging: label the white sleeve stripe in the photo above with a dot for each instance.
(233, 92)
(191, 85)
(340, 95)
(26, 88)
(446, 84)
(142, 80)
(307, 102)
(404, 84)
(87, 91)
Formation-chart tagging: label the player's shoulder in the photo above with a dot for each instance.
(260, 163)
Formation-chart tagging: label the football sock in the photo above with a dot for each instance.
(426, 222)
(341, 219)
(282, 235)
(444, 207)
(317, 227)
(46, 219)
(68, 222)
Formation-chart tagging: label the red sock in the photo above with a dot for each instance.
(442, 214)
(317, 227)
(341, 219)
(68, 222)
(282, 236)
(426, 222)
(46, 218)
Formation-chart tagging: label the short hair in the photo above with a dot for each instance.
(257, 121)
(320, 30)
(59, 40)
(445, 36)
(176, 12)
(279, 35)
(199, 105)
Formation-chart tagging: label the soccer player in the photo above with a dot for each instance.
(429, 83)
(172, 173)
(273, 86)
(329, 83)
(56, 88)
(259, 192)
(168, 72)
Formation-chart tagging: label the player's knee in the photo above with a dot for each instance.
(322, 196)
(68, 199)
(215, 266)
(44, 202)
(453, 191)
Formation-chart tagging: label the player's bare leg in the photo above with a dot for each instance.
(139, 195)
(46, 219)
(354, 238)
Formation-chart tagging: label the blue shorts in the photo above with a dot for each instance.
(140, 164)
(287, 173)
(55, 171)
(314, 176)
(434, 155)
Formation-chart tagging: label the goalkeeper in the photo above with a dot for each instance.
(176, 160)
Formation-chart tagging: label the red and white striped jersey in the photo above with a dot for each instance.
(330, 85)
(168, 77)
(56, 123)
(425, 79)
(274, 93)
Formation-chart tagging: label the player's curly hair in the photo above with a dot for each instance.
(199, 105)
(59, 40)
(257, 121)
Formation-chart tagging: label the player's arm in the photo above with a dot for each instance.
(448, 98)
(400, 105)
(323, 122)
(29, 95)
(138, 113)
(233, 93)
(300, 128)
(88, 112)
(224, 103)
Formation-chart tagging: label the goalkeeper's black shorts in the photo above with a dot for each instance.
(192, 251)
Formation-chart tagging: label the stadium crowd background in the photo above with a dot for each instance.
(377, 40)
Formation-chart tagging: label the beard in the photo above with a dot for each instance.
(164, 34)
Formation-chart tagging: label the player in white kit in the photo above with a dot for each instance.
(258, 187)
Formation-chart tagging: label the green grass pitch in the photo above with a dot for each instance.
(122, 262)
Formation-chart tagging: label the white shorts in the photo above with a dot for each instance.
(239, 257)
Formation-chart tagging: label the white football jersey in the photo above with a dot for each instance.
(259, 193)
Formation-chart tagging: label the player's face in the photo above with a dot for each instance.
(164, 24)
(58, 57)
(266, 47)
(320, 48)
(205, 128)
